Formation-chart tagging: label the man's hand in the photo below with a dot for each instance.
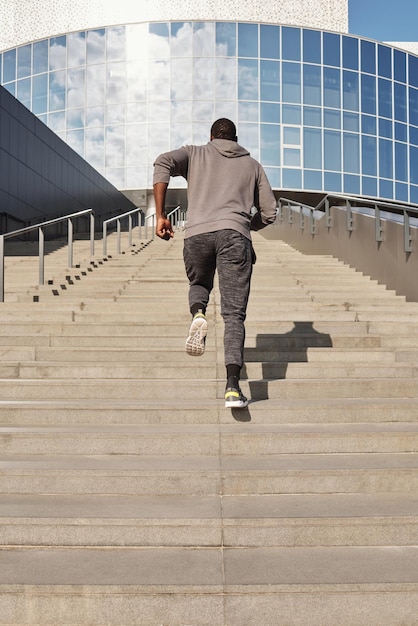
(164, 230)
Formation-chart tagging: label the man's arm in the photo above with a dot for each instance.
(163, 228)
(265, 203)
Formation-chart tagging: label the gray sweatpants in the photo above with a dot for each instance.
(231, 254)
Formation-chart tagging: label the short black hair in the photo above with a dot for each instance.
(224, 129)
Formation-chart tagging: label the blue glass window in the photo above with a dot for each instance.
(332, 88)
(270, 112)
(332, 119)
(291, 82)
(401, 161)
(312, 116)
(291, 157)
(273, 174)
(385, 188)
(413, 106)
(203, 43)
(332, 182)
(269, 42)
(401, 192)
(247, 112)
(368, 94)
(368, 125)
(399, 62)
(312, 180)
(311, 46)
(40, 94)
(351, 122)
(57, 90)
(270, 80)
(292, 179)
(247, 79)
(369, 186)
(331, 43)
(290, 44)
(312, 87)
(57, 53)
(413, 165)
(96, 50)
(270, 144)
(351, 184)
(291, 114)
(400, 101)
(385, 158)
(332, 150)
(24, 60)
(401, 132)
(9, 65)
(384, 56)
(369, 155)
(248, 40)
(385, 128)
(23, 91)
(413, 70)
(312, 141)
(385, 97)
(413, 135)
(350, 53)
(351, 147)
(350, 91)
(368, 57)
(226, 39)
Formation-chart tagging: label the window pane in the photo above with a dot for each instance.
(384, 56)
(96, 52)
(331, 45)
(116, 82)
(9, 66)
(181, 39)
(76, 87)
(368, 94)
(369, 186)
(291, 157)
(385, 159)
(270, 80)
(95, 89)
(401, 132)
(291, 114)
(226, 39)
(270, 112)
(413, 70)
(115, 43)
(270, 144)
(204, 39)
(24, 59)
(368, 57)
(312, 180)
(291, 82)
(351, 153)
(291, 136)
(385, 128)
(159, 80)
(248, 40)
(23, 91)
(401, 161)
(368, 124)
(400, 102)
(413, 106)
(311, 116)
(332, 88)
(312, 87)
(351, 122)
(57, 53)
(248, 111)
(40, 94)
(291, 44)
(312, 142)
(350, 53)
(292, 179)
(350, 91)
(385, 97)
(332, 150)
(332, 182)
(351, 184)
(226, 78)
(311, 46)
(76, 49)
(247, 79)
(369, 155)
(399, 61)
(269, 42)
(332, 119)
(182, 78)
(57, 90)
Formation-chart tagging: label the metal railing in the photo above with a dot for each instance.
(351, 203)
(41, 239)
(118, 219)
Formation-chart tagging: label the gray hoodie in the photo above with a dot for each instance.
(224, 183)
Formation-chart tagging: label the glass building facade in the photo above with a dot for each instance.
(322, 111)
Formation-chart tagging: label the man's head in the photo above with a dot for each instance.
(223, 129)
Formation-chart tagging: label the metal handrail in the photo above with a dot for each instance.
(117, 219)
(41, 240)
(395, 207)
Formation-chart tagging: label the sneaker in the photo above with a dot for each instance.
(195, 342)
(234, 398)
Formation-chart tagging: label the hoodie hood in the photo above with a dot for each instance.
(228, 148)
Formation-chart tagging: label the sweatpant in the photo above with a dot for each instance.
(232, 255)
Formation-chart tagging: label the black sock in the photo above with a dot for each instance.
(197, 308)
(233, 370)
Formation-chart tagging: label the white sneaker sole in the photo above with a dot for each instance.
(231, 404)
(195, 342)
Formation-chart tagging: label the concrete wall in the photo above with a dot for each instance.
(41, 176)
(22, 21)
(386, 261)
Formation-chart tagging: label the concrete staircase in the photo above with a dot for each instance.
(131, 496)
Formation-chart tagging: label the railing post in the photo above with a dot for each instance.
(130, 230)
(70, 243)
(41, 242)
(118, 236)
(104, 239)
(302, 218)
(349, 216)
(328, 219)
(1, 268)
(312, 220)
(92, 234)
(407, 232)
(378, 224)
(289, 213)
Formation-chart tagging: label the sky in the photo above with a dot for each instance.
(384, 20)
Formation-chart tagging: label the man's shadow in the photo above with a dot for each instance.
(275, 352)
